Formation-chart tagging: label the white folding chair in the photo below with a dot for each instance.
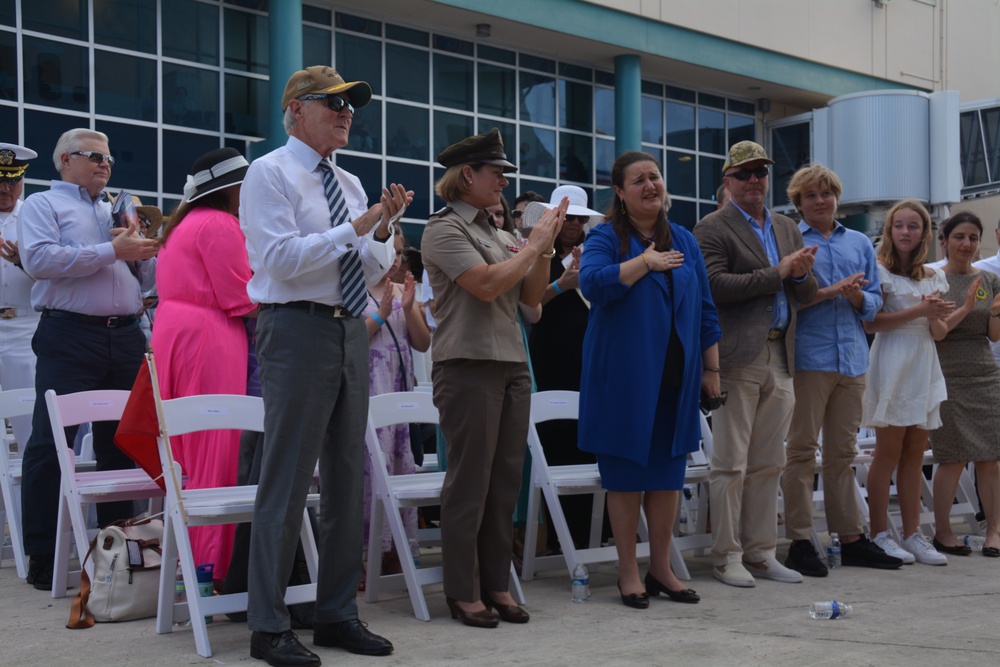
(390, 493)
(13, 403)
(551, 482)
(187, 508)
(696, 536)
(79, 489)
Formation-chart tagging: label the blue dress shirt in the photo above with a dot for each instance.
(829, 335)
(765, 234)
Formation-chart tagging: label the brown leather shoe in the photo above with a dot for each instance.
(510, 613)
(476, 619)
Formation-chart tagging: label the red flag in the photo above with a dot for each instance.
(139, 426)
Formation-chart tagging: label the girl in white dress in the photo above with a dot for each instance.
(905, 385)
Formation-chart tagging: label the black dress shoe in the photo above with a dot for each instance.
(654, 588)
(352, 635)
(511, 613)
(865, 553)
(281, 649)
(991, 552)
(40, 572)
(634, 600)
(475, 619)
(957, 550)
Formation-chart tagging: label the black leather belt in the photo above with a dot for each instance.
(775, 334)
(312, 307)
(111, 322)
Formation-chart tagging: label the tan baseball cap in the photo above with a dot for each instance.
(745, 151)
(323, 80)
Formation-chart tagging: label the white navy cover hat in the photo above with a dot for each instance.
(14, 161)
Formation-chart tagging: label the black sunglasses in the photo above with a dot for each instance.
(745, 174)
(95, 157)
(516, 213)
(335, 102)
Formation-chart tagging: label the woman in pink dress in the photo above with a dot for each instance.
(199, 338)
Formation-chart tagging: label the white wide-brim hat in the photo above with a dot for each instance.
(577, 206)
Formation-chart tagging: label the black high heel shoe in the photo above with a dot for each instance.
(654, 587)
(476, 619)
(511, 613)
(634, 600)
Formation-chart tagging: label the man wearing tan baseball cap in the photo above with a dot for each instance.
(313, 244)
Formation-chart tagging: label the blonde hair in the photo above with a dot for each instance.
(887, 254)
(809, 176)
(452, 185)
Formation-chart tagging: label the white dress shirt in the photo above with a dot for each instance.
(294, 252)
(15, 284)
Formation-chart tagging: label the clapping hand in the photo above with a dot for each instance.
(409, 291)
(8, 250)
(937, 309)
(544, 233)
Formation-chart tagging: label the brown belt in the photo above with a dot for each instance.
(775, 334)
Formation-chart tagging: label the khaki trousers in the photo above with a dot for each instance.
(484, 408)
(749, 454)
(830, 401)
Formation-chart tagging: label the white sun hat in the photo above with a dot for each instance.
(577, 206)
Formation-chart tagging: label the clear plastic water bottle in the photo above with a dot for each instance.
(831, 610)
(581, 583)
(974, 542)
(180, 596)
(206, 588)
(833, 552)
(415, 551)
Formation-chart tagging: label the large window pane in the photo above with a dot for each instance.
(741, 128)
(453, 82)
(316, 46)
(126, 24)
(538, 98)
(680, 125)
(973, 155)
(684, 213)
(991, 130)
(131, 92)
(789, 150)
(360, 59)
(246, 41)
(69, 19)
(406, 131)
(712, 131)
(55, 74)
(369, 171)
(496, 90)
(8, 66)
(576, 102)
(191, 31)
(181, 149)
(136, 157)
(544, 188)
(577, 158)
(604, 111)
(652, 120)
(366, 130)
(7, 12)
(41, 131)
(247, 106)
(709, 176)
(406, 73)
(414, 177)
(8, 121)
(604, 162)
(190, 97)
(537, 152)
(450, 128)
(680, 174)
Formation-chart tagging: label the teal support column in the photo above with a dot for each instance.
(628, 104)
(285, 46)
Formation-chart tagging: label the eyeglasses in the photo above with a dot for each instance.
(745, 174)
(335, 102)
(516, 213)
(576, 218)
(95, 157)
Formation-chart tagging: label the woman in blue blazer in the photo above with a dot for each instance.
(650, 350)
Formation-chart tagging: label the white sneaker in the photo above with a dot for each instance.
(733, 574)
(891, 547)
(772, 569)
(923, 551)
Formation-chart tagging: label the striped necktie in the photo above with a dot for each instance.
(352, 274)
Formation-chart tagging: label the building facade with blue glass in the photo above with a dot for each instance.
(568, 83)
